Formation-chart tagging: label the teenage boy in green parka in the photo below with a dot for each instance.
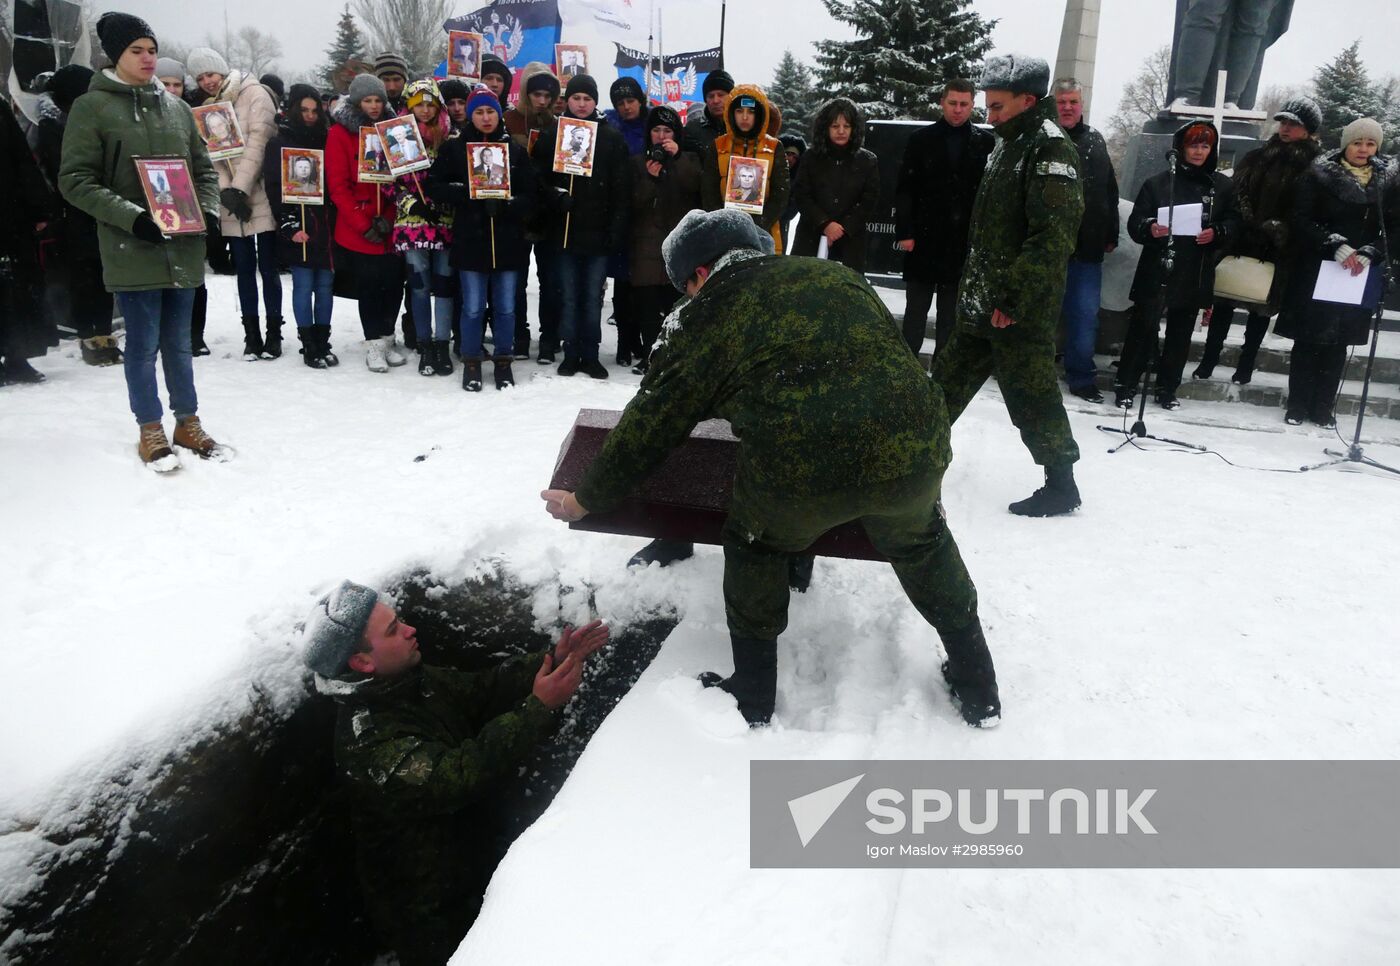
(127, 114)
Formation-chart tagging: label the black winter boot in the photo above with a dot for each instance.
(197, 344)
(800, 571)
(1058, 496)
(501, 373)
(471, 373)
(252, 339)
(272, 345)
(754, 682)
(442, 358)
(425, 358)
(663, 553)
(310, 348)
(970, 676)
(323, 345)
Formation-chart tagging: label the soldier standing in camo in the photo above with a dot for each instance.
(417, 746)
(1025, 222)
(836, 422)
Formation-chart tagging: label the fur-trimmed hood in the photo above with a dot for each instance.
(1333, 176)
(821, 124)
(350, 117)
(763, 112)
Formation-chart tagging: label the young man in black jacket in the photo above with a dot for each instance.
(1098, 235)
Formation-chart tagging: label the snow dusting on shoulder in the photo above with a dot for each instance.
(1050, 129)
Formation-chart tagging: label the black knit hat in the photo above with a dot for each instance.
(623, 88)
(118, 31)
(793, 142)
(662, 116)
(717, 80)
(494, 65)
(453, 89)
(582, 84)
(1301, 110)
(543, 81)
(68, 84)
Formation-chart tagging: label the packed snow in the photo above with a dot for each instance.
(1191, 609)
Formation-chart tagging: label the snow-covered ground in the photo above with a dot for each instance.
(1190, 610)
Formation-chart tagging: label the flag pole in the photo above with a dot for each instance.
(723, 8)
(651, 51)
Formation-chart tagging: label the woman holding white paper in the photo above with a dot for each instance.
(1194, 203)
(1337, 220)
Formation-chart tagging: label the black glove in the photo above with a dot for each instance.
(237, 204)
(147, 230)
(563, 200)
(382, 225)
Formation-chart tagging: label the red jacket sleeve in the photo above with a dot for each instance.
(342, 163)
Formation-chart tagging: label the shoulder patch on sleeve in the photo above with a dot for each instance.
(1056, 169)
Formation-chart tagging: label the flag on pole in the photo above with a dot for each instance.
(613, 19)
(514, 31)
(678, 81)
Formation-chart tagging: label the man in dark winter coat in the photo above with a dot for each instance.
(1190, 286)
(938, 179)
(29, 209)
(820, 445)
(837, 187)
(701, 133)
(1264, 181)
(1098, 235)
(629, 117)
(418, 747)
(1024, 224)
(794, 146)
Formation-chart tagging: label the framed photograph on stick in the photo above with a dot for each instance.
(218, 126)
(570, 61)
(303, 176)
(490, 171)
(574, 144)
(464, 55)
(170, 195)
(747, 185)
(374, 162)
(403, 145)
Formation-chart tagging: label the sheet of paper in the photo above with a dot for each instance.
(1185, 221)
(823, 248)
(1337, 284)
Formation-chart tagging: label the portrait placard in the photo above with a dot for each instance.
(403, 145)
(374, 163)
(490, 170)
(303, 176)
(171, 195)
(570, 60)
(574, 144)
(464, 54)
(747, 185)
(218, 126)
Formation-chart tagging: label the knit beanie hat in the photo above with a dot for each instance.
(389, 62)
(481, 96)
(335, 627)
(1362, 128)
(275, 84)
(118, 31)
(625, 87)
(793, 142)
(423, 91)
(582, 84)
(366, 85)
(703, 236)
(1016, 73)
(543, 81)
(1301, 110)
(717, 80)
(662, 116)
(453, 89)
(70, 83)
(203, 60)
(170, 67)
(494, 65)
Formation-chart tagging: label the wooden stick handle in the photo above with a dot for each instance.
(303, 231)
(493, 243)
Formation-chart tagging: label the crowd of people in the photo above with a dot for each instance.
(455, 265)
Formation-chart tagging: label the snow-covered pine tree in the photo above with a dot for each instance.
(1344, 91)
(347, 47)
(903, 52)
(793, 92)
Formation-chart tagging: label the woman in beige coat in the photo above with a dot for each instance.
(247, 220)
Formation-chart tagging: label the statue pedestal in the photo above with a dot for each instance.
(1147, 152)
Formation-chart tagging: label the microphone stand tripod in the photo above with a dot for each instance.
(1139, 429)
(1354, 453)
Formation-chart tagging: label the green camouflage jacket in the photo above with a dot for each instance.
(1025, 223)
(808, 366)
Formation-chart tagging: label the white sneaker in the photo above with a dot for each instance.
(374, 355)
(392, 355)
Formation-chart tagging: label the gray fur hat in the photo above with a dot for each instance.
(335, 627)
(703, 236)
(205, 60)
(366, 85)
(1016, 73)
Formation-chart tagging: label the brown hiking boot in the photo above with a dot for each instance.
(191, 435)
(154, 448)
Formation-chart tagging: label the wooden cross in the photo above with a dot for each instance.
(1219, 114)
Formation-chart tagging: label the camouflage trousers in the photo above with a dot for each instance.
(1023, 360)
(904, 520)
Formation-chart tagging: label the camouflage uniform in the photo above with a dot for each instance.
(1025, 222)
(836, 422)
(416, 753)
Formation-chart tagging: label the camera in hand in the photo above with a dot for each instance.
(658, 153)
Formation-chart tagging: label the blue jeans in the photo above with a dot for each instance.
(579, 279)
(312, 285)
(502, 311)
(430, 294)
(158, 321)
(1080, 312)
(253, 256)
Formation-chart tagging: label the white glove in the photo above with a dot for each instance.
(1344, 251)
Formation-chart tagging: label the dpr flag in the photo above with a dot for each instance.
(680, 79)
(515, 31)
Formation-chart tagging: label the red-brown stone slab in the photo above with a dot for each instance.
(688, 496)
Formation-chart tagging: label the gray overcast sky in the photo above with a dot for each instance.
(759, 30)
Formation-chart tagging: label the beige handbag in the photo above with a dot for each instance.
(1242, 279)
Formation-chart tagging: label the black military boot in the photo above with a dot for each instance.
(252, 338)
(272, 345)
(1058, 496)
(970, 676)
(754, 682)
(310, 347)
(663, 553)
